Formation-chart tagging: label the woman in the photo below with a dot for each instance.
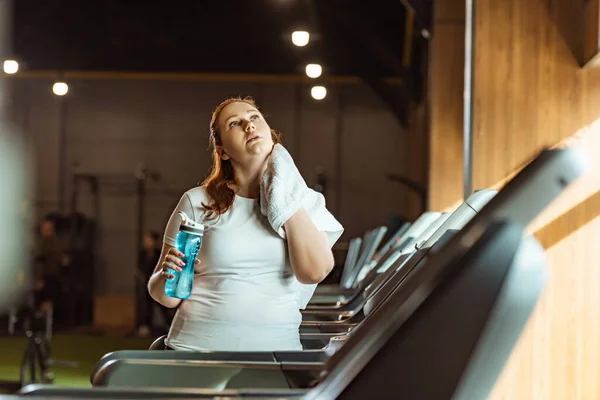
(250, 283)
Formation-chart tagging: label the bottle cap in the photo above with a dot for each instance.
(189, 225)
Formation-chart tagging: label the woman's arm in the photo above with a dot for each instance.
(310, 254)
(156, 285)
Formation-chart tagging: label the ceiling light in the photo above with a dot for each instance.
(314, 70)
(60, 88)
(318, 92)
(300, 38)
(11, 67)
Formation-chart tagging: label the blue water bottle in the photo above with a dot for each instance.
(188, 241)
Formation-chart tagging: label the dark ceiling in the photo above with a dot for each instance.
(243, 36)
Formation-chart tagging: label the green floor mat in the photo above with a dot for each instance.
(85, 350)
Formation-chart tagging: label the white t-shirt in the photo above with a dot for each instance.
(245, 295)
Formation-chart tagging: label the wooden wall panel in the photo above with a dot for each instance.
(529, 88)
(531, 93)
(558, 356)
(446, 103)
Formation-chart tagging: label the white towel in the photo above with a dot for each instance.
(283, 191)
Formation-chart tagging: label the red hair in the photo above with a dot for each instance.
(221, 172)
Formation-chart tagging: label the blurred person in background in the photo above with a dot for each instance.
(50, 257)
(149, 256)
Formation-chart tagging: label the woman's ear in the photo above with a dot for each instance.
(222, 153)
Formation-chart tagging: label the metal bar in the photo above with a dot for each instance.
(62, 154)
(468, 98)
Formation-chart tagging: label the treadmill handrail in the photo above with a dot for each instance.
(393, 314)
(551, 172)
(391, 241)
(365, 259)
(351, 258)
(404, 244)
(156, 392)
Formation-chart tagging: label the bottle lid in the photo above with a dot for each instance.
(189, 225)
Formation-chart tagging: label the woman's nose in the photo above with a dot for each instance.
(249, 126)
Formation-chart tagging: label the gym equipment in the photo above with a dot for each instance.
(368, 274)
(345, 318)
(355, 258)
(84, 238)
(321, 345)
(352, 255)
(370, 243)
(339, 295)
(330, 295)
(392, 241)
(350, 261)
(344, 309)
(538, 183)
(386, 354)
(371, 259)
(37, 356)
(489, 252)
(318, 333)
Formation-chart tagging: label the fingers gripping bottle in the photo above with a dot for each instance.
(189, 242)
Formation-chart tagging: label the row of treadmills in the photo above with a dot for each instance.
(434, 313)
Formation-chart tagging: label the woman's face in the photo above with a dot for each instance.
(245, 135)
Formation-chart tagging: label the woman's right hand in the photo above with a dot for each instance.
(172, 262)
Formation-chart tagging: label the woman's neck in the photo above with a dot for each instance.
(247, 180)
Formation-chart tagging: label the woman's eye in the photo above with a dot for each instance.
(254, 117)
(232, 124)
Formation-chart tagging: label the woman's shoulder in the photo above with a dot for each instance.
(197, 196)
(193, 202)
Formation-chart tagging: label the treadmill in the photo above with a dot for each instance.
(503, 207)
(324, 339)
(418, 335)
(418, 332)
(315, 333)
(320, 346)
(371, 242)
(333, 335)
(349, 263)
(353, 304)
(423, 227)
(326, 295)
